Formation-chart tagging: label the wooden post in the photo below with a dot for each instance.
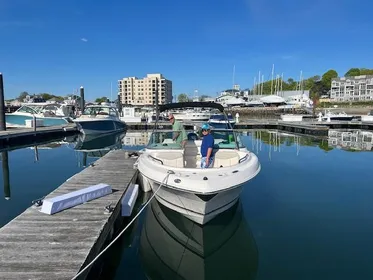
(5, 162)
(2, 105)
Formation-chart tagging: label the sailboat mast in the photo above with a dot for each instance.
(254, 87)
(234, 73)
(273, 71)
(262, 85)
(111, 91)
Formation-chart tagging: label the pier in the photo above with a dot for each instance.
(19, 137)
(35, 245)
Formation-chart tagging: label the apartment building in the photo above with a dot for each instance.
(358, 88)
(143, 91)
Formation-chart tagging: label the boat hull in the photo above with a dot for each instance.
(337, 118)
(196, 207)
(100, 126)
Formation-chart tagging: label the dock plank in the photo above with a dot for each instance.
(39, 246)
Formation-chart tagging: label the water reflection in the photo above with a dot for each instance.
(5, 164)
(174, 247)
(276, 140)
(140, 138)
(96, 146)
(353, 140)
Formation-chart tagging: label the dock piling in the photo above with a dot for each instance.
(82, 102)
(5, 163)
(2, 105)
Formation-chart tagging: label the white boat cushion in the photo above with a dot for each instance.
(226, 158)
(174, 159)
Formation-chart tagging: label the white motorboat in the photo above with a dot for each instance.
(220, 121)
(291, 118)
(46, 114)
(173, 247)
(101, 118)
(368, 117)
(336, 116)
(199, 194)
(192, 115)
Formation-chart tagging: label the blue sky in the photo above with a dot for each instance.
(57, 46)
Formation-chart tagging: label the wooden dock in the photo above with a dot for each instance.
(40, 246)
(14, 137)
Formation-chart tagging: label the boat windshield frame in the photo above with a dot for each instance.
(100, 110)
(33, 109)
(184, 105)
(223, 139)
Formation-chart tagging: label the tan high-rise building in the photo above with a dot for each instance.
(143, 91)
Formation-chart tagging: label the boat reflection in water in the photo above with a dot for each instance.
(96, 146)
(174, 247)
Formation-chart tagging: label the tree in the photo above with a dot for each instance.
(365, 71)
(22, 95)
(182, 98)
(101, 99)
(353, 72)
(203, 97)
(327, 78)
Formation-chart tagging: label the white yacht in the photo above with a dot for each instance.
(192, 115)
(46, 114)
(101, 118)
(229, 100)
(368, 117)
(329, 115)
(220, 121)
(199, 194)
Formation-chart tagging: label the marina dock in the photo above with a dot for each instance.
(35, 245)
(23, 137)
(18, 137)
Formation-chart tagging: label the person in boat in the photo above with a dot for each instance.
(207, 147)
(179, 135)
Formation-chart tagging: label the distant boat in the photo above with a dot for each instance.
(336, 116)
(47, 114)
(220, 121)
(97, 119)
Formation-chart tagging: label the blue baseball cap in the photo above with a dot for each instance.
(205, 126)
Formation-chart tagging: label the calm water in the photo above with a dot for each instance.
(307, 215)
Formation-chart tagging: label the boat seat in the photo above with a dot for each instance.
(191, 154)
(173, 159)
(225, 158)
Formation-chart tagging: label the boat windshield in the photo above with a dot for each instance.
(30, 109)
(223, 139)
(226, 139)
(163, 140)
(99, 110)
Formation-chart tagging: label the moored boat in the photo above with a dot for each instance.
(199, 194)
(101, 118)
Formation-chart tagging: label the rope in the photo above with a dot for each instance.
(164, 181)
